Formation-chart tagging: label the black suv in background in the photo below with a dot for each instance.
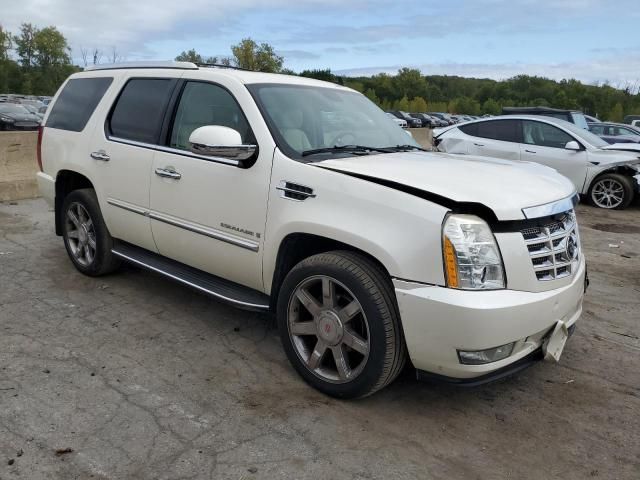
(425, 119)
(412, 122)
(571, 116)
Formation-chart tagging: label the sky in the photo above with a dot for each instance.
(592, 40)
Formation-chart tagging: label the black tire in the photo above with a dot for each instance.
(373, 289)
(102, 261)
(625, 184)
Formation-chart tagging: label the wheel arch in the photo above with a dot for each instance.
(625, 170)
(66, 182)
(297, 246)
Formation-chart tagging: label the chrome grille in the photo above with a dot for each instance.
(554, 247)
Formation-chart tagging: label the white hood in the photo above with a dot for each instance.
(505, 187)
(625, 147)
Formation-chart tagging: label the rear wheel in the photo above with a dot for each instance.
(85, 234)
(611, 191)
(339, 324)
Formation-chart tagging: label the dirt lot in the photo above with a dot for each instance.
(141, 378)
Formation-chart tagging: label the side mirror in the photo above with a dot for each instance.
(573, 145)
(221, 142)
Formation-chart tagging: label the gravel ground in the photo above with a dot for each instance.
(133, 376)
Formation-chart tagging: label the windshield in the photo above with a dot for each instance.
(585, 135)
(580, 120)
(305, 118)
(12, 108)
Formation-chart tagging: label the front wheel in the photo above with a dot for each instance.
(339, 324)
(611, 191)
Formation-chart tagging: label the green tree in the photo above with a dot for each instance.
(261, 58)
(51, 48)
(25, 44)
(5, 44)
(418, 105)
(195, 57)
(491, 107)
(319, 74)
(402, 104)
(370, 93)
(617, 113)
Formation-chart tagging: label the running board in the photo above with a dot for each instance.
(219, 288)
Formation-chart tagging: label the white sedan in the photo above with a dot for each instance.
(399, 121)
(609, 175)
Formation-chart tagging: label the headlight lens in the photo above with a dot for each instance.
(6, 119)
(472, 258)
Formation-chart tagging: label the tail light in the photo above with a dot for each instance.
(39, 147)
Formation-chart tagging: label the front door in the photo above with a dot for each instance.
(205, 211)
(494, 138)
(544, 143)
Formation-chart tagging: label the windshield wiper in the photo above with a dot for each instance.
(346, 148)
(407, 147)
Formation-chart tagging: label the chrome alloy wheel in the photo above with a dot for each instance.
(81, 234)
(608, 193)
(328, 329)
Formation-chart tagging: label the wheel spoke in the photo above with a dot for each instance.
(350, 311)
(303, 328)
(89, 224)
(328, 293)
(316, 356)
(355, 341)
(74, 218)
(73, 234)
(87, 254)
(308, 301)
(344, 371)
(91, 241)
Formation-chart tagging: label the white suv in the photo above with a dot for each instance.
(301, 197)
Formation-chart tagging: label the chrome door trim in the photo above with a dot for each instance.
(206, 231)
(187, 282)
(552, 208)
(191, 227)
(175, 151)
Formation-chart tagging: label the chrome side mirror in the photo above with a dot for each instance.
(221, 142)
(573, 145)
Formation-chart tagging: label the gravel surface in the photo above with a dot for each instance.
(133, 376)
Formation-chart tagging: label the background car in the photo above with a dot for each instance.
(608, 174)
(629, 119)
(17, 117)
(35, 110)
(426, 120)
(591, 119)
(571, 116)
(412, 122)
(616, 132)
(400, 121)
(443, 116)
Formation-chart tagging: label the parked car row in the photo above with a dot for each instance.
(22, 112)
(430, 119)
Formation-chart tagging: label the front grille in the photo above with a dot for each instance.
(554, 247)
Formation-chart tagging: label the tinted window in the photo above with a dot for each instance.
(139, 109)
(206, 104)
(544, 135)
(76, 103)
(597, 129)
(505, 130)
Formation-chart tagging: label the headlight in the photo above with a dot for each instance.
(472, 258)
(6, 119)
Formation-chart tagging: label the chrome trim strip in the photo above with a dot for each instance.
(128, 206)
(552, 208)
(175, 151)
(207, 232)
(186, 282)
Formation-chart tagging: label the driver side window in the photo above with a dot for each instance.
(206, 104)
(544, 135)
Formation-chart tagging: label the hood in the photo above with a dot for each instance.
(503, 186)
(625, 147)
(22, 117)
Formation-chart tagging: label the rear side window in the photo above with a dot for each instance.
(76, 103)
(139, 110)
(504, 130)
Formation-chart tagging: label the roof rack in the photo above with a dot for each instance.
(151, 64)
(222, 65)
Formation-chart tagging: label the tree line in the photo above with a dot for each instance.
(37, 60)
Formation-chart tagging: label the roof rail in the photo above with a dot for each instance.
(222, 65)
(150, 64)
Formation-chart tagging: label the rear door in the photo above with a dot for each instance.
(494, 138)
(123, 150)
(545, 143)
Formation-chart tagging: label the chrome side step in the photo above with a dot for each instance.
(219, 288)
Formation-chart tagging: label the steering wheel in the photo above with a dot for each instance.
(339, 139)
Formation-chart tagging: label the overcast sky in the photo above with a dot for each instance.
(592, 40)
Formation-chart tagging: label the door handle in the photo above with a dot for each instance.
(479, 144)
(168, 173)
(530, 151)
(100, 155)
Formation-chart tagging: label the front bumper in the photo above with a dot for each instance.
(438, 321)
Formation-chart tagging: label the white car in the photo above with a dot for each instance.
(399, 121)
(609, 175)
(287, 194)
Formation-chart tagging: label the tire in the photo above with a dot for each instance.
(611, 191)
(355, 319)
(87, 233)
